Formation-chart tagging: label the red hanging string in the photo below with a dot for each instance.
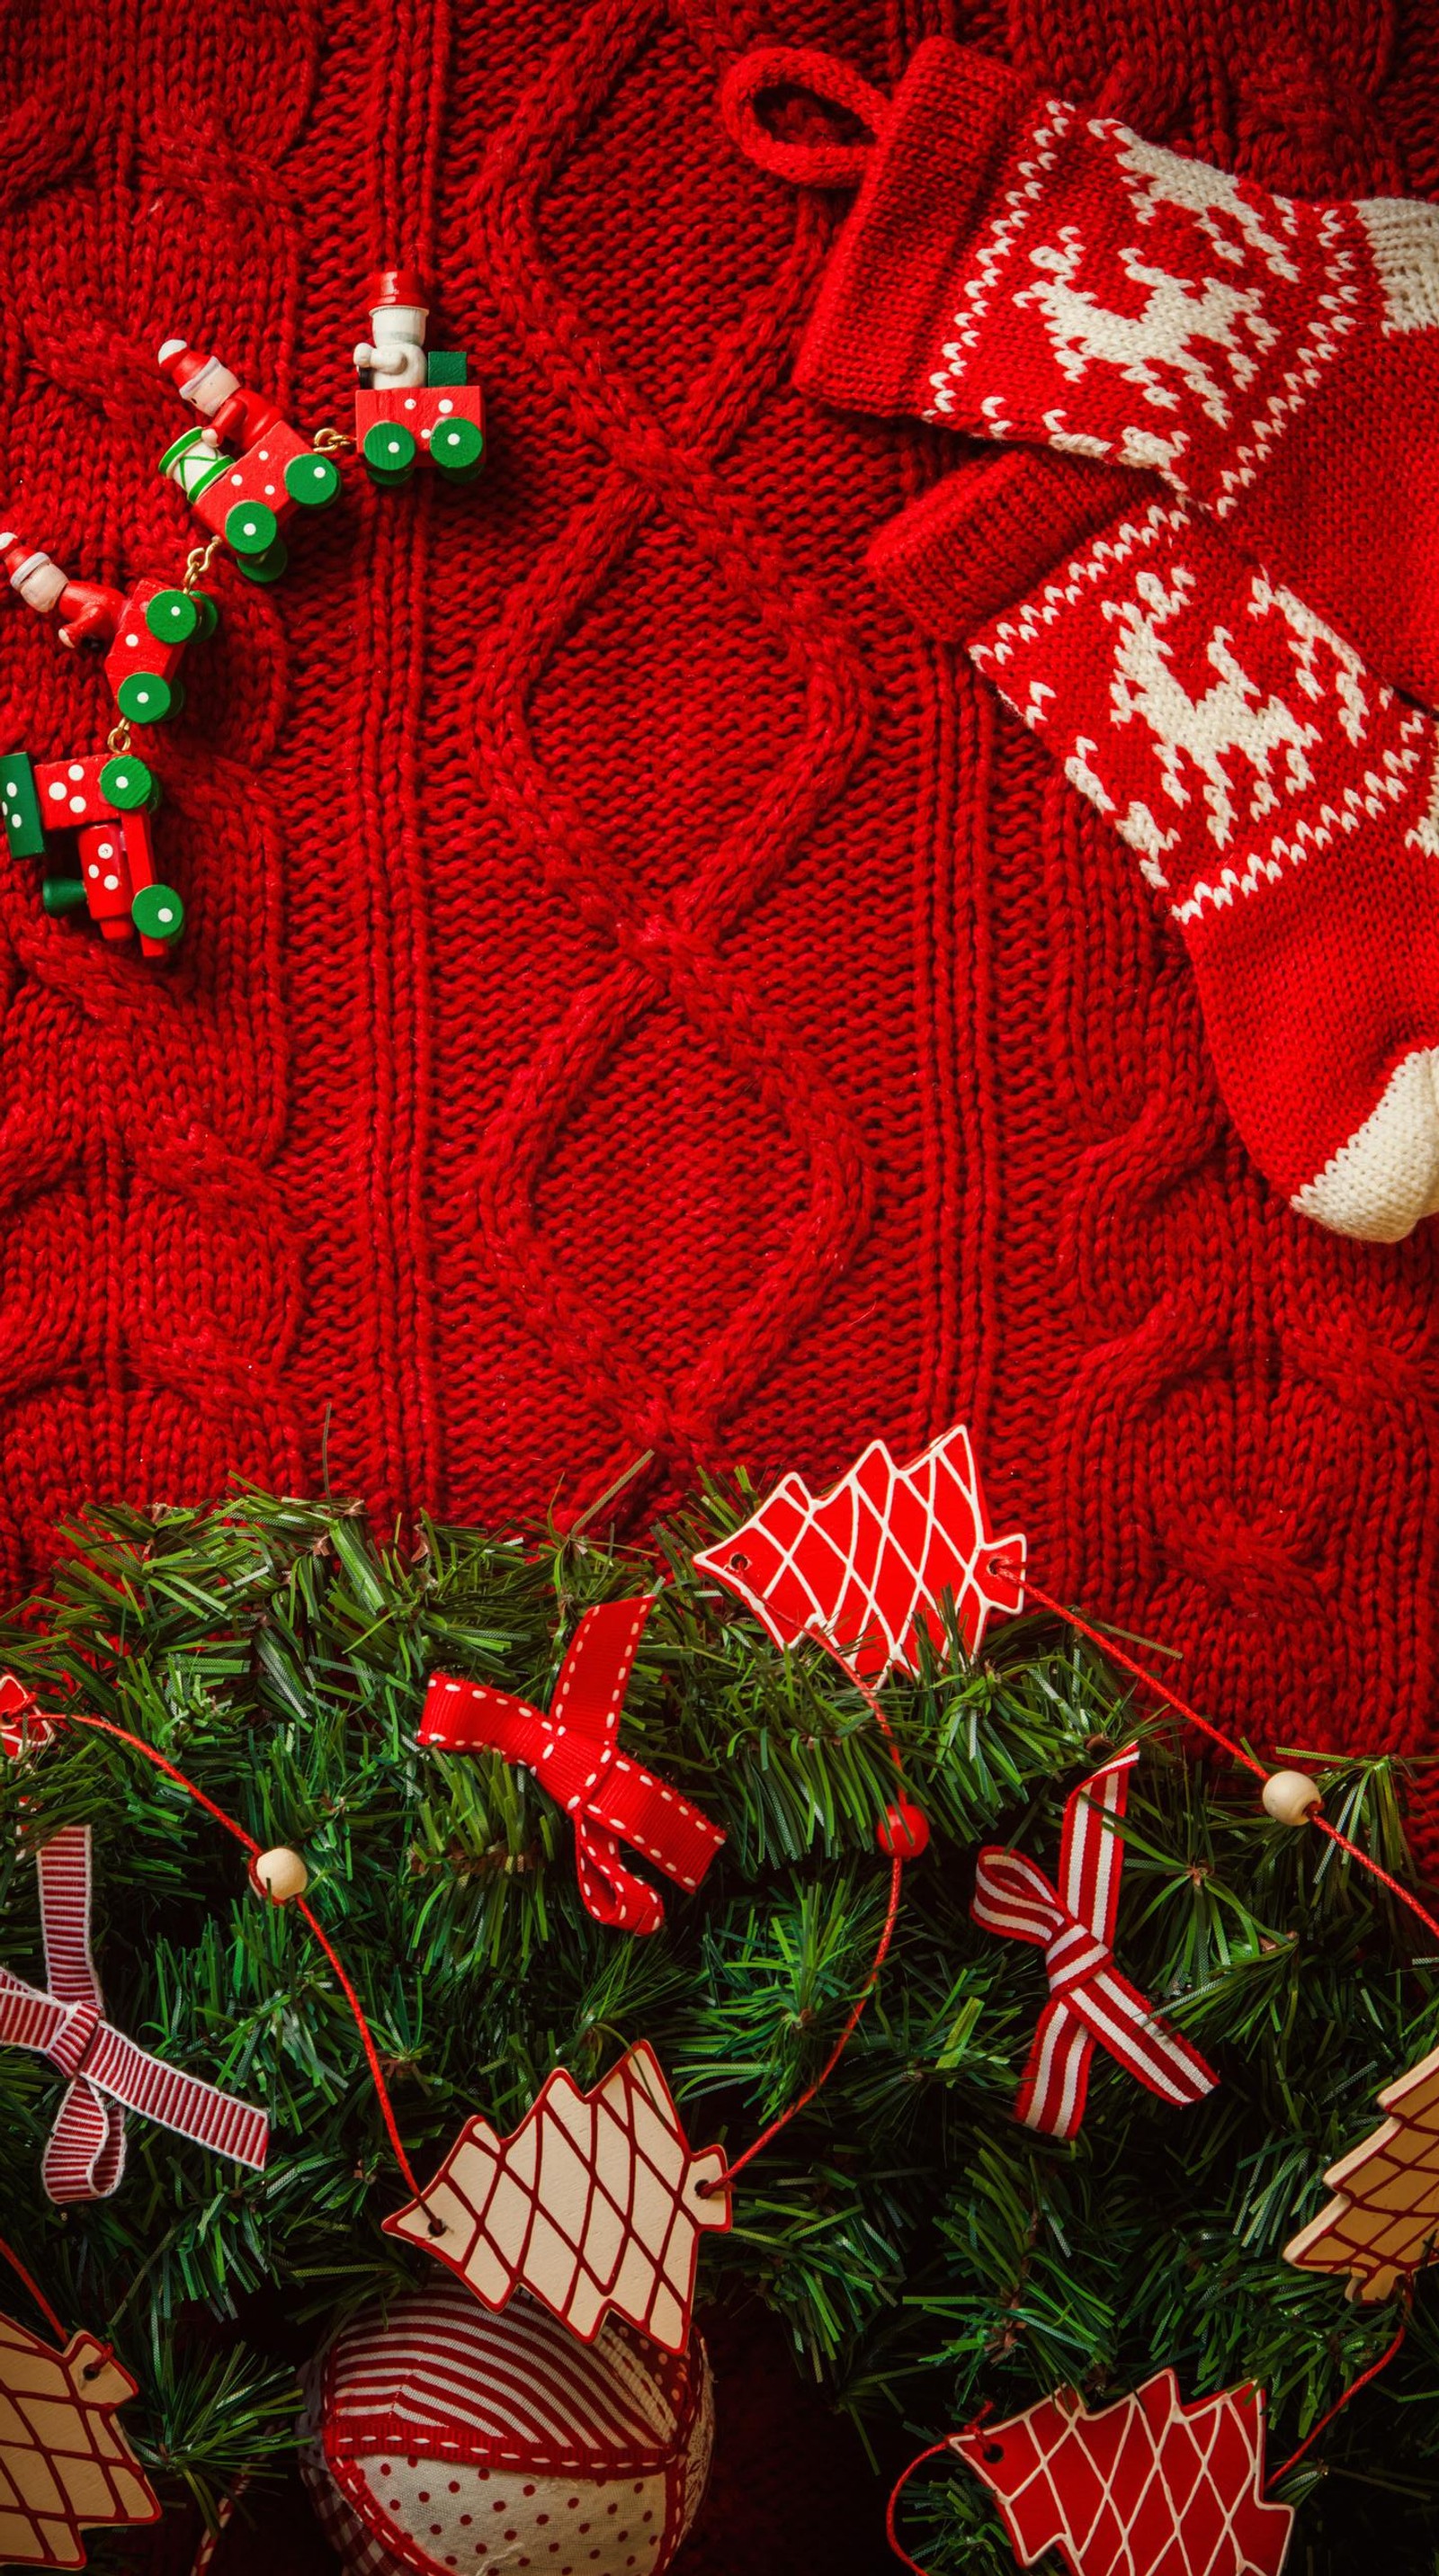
(1237, 1752)
(1161, 1690)
(856, 2014)
(1351, 2391)
(137, 1744)
(892, 2508)
(1321, 1826)
(371, 2052)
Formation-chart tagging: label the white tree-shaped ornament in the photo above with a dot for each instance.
(595, 2202)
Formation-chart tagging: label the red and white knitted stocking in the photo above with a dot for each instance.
(1017, 267)
(1281, 799)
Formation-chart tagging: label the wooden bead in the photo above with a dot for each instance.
(281, 1875)
(1290, 1796)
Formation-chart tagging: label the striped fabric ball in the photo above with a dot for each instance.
(440, 2438)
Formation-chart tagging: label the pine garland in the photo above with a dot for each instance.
(925, 2252)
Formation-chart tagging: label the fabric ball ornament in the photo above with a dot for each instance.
(438, 2438)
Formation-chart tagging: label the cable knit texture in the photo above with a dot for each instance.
(640, 994)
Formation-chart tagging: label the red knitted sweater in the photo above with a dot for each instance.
(639, 995)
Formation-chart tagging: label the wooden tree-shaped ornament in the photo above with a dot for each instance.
(65, 2465)
(595, 2202)
(1383, 2221)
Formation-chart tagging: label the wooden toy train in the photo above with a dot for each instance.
(144, 631)
(246, 472)
(106, 802)
(413, 406)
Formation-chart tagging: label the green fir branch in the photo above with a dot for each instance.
(926, 2255)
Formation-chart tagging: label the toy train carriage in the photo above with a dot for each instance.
(248, 499)
(441, 422)
(144, 659)
(107, 803)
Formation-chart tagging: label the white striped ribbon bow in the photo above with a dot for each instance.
(1088, 1998)
(109, 2075)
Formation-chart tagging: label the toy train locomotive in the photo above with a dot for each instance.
(413, 406)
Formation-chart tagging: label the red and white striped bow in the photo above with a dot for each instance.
(108, 2074)
(574, 1754)
(1088, 1998)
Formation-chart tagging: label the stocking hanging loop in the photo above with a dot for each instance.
(819, 76)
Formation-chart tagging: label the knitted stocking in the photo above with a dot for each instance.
(1281, 799)
(1017, 267)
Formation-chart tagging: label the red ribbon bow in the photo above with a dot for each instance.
(573, 1753)
(108, 2074)
(1088, 1998)
(22, 1727)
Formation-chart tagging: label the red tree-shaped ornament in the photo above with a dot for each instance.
(866, 1566)
(1148, 2487)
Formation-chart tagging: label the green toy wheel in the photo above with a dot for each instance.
(312, 480)
(62, 894)
(389, 451)
(147, 699)
(458, 447)
(127, 784)
(20, 806)
(251, 527)
(172, 616)
(158, 913)
(266, 567)
(208, 613)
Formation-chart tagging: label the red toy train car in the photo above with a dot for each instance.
(413, 406)
(143, 663)
(246, 472)
(145, 630)
(106, 800)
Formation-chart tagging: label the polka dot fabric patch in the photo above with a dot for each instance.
(441, 2438)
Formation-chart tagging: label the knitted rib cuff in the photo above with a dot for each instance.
(952, 119)
(988, 534)
(1404, 244)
